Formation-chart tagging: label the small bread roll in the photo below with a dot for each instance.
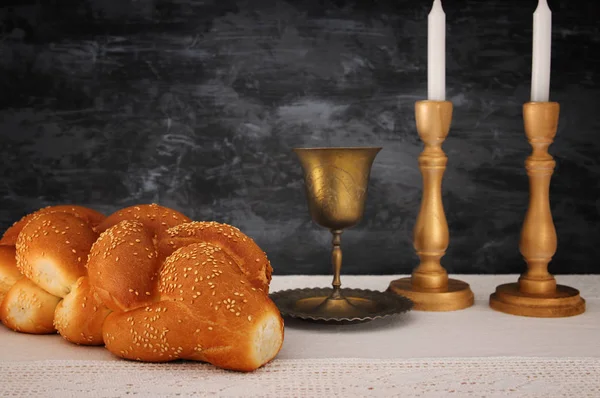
(153, 216)
(9, 273)
(90, 216)
(210, 313)
(28, 308)
(123, 266)
(247, 255)
(52, 250)
(80, 315)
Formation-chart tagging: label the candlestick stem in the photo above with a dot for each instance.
(429, 286)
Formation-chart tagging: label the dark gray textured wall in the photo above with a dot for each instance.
(196, 105)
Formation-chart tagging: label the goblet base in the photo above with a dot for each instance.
(354, 305)
(564, 301)
(456, 296)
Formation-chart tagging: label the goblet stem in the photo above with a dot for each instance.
(336, 261)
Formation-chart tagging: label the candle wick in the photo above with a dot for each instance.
(542, 4)
(438, 4)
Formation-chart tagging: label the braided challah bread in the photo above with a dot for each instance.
(146, 282)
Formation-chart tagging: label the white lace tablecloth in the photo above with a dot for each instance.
(471, 353)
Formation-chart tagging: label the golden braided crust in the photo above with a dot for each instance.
(28, 308)
(92, 217)
(208, 311)
(80, 315)
(9, 273)
(153, 216)
(248, 256)
(123, 266)
(52, 250)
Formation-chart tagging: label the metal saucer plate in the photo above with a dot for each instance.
(357, 305)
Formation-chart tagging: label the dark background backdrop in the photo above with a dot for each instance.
(196, 105)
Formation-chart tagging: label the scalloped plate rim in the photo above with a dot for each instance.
(275, 295)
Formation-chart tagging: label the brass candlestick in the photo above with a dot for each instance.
(537, 294)
(429, 286)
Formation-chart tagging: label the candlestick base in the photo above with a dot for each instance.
(562, 302)
(457, 295)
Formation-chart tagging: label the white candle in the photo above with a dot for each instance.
(436, 53)
(542, 44)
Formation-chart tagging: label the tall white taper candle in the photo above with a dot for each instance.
(436, 53)
(542, 44)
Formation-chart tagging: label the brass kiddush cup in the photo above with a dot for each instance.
(336, 181)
